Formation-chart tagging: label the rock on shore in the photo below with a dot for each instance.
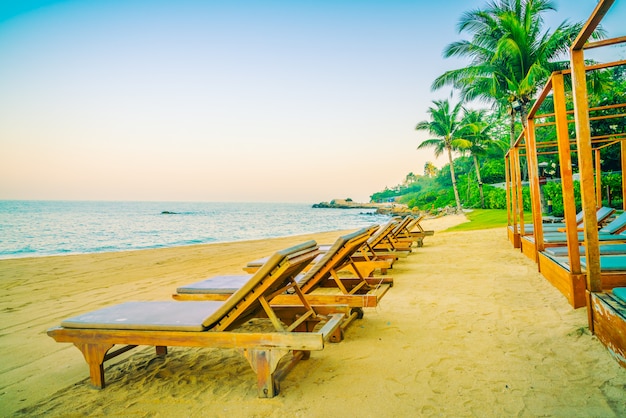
(386, 207)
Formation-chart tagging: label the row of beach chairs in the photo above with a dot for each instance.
(289, 289)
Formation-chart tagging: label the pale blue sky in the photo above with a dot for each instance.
(222, 100)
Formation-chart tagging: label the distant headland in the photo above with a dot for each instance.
(384, 207)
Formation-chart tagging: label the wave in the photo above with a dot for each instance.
(42, 228)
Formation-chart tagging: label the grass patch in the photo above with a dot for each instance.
(482, 219)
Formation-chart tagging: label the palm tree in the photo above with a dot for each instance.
(477, 131)
(429, 169)
(511, 56)
(410, 179)
(445, 127)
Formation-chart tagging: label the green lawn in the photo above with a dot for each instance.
(482, 219)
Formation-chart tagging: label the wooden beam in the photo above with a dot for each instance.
(598, 166)
(605, 42)
(214, 339)
(518, 190)
(567, 182)
(535, 188)
(592, 23)
(507, 186)
(514, 184)
(623, 151)
(585, 164)
(542, 96)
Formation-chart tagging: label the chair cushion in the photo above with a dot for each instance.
(147, 316)
(219, 284)
(605, 249)
(620, 293)
(609, 262)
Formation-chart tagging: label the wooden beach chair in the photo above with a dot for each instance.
(383, 244)
(603, 214)
(363, 264)
(321, 284)
(215, 324)
(611, 238)
(612, 231)
(605, 249)
(412, 231)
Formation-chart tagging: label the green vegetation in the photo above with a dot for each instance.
(510, 57)
(482, 219)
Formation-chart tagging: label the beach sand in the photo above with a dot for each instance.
(470, 328)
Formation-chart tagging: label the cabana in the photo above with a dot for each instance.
(568, 276)
(607, 318)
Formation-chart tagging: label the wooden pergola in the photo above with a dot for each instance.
(590, 286)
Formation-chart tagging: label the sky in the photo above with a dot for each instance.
(230, 101)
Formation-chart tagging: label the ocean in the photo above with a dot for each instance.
(44, 228)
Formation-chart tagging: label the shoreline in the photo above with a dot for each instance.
(452, 337)
(50, 228)
(166, 247)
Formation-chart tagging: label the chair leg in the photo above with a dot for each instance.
(94, 356)
(264, 363)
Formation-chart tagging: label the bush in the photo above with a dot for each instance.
(492, 171)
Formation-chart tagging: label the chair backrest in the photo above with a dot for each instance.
(402, 226)
(274, 277)
(603, 213)
(580, 216)
(382, 233)
(415, 223)
(336, 257)
(616, 225)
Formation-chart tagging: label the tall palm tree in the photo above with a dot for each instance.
(429, 169)
(511, 56)
(445, 127)
(477, 131)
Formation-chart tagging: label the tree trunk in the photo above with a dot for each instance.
(523, 115)
(453, 176)
(480, 182)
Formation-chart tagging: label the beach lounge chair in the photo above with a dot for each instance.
(412, 231)
(367, 259)
(605, 249)
(603, 214)
(416, 230)
(608, 262)
(363, 264)
(610, 232)
(357, 292)
(383, 244)
(394, 238)
(214, 324)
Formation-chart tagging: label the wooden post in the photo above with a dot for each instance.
(507, 185)
(623, 151)
(598, 166)
(94, 356)
(520, 194)
(264, 363)
(567, 182)
(514, 191)
(533, 177)
(585, 164)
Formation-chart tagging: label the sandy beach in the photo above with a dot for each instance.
(470, 328)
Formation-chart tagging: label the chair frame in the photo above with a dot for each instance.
(263, 350)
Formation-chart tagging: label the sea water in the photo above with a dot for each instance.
(42, 228)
